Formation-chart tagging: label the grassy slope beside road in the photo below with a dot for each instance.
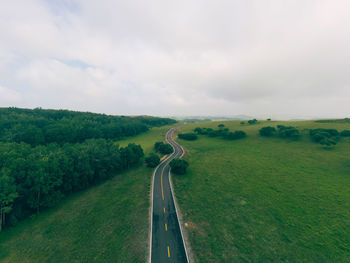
(266, 199)
(106, 223)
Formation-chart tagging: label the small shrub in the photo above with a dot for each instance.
(288, 132)
(328, 142)
(345, 133)
(163, 148)
(267, 131)
(332, 132)
(188, 136)
(218, 133)
(152, 160)
(166, 148)
(178, 166)
(319, 136)
(213, 133)
(326, 137)
(253, 121)
(199, 130)
(157, 146)
(235, 135)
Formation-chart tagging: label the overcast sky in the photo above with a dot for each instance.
(286, 59)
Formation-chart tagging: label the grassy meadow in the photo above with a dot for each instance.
(262, 199)
(105, 223)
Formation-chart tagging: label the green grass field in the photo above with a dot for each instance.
(266, 199)
(106, 223)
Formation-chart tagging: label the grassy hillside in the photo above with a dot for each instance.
(266, 199)
(106, 223)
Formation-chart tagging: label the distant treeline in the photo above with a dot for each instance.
(221, 132)
(345, 120)
(326, 137)
(46, 155)
(196, 120)
(40, 126)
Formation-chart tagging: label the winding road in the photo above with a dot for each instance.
(167, 243)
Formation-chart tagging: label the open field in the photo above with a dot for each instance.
(106, 223)
(147, 140)
(266, 199)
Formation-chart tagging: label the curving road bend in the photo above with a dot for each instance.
(167, 244)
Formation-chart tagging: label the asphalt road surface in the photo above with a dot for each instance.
(167, 244)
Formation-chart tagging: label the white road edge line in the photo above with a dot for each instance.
(152, 188)
(172, 191)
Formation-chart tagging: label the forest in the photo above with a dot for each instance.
(40, 126)
(46, 155)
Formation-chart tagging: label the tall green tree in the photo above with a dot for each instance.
(7, 196)
(178, 166)
(267, 131)
(152, 160)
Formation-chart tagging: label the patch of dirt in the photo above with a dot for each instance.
(242, 202)
(194, 228)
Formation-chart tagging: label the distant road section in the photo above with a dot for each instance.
(167, 244)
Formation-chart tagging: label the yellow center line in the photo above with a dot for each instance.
(164, 210)
(166, 227)
(168, 252)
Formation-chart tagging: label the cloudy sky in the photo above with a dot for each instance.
(287, 59)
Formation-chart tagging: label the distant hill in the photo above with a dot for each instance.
(211, 118)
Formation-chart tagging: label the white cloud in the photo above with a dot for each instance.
(9, 97)
(179, 57)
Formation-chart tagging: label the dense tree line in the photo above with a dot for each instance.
(188, 136)
(178, 166)
(267, 131)
(34, 178)
(345, 133)
(289, 132)
(221, 132)
(39, 126)
(46, 155)
(163, 148)
(326, 137)
(152, 160)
